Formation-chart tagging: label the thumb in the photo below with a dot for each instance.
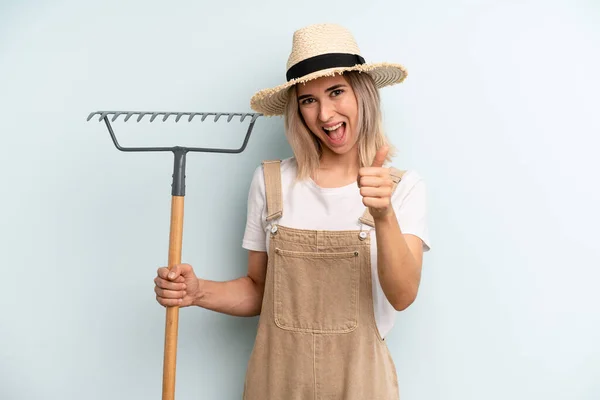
(180, 269)
(174, 272)
(380, 157)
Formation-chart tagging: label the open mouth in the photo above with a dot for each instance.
(333, 128)
(336, 133)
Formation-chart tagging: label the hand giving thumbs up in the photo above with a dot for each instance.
(375, 185)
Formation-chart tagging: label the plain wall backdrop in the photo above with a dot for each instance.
(500, 113)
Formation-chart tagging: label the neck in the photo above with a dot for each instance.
(344, 165)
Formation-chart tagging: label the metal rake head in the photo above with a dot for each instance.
(104, 116)
(179, 152)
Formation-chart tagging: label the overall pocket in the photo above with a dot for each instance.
(316, 292)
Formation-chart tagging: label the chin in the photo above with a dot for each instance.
(341, 150)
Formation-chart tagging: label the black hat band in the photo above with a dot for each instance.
(323, 61)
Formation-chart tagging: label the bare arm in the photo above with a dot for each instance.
(240, 297)
(399, 256)
(399, 261)
(179, 286)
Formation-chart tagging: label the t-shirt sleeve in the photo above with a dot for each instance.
(254, 234)
(411, 210)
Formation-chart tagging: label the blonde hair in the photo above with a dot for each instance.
(307, 147)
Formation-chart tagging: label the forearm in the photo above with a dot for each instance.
(399, 274)
(240, 297)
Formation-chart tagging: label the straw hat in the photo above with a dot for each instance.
(323, 50)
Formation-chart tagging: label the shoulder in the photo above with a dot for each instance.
(410, 177)
(411, 181)
(410, 204)
(288, 168)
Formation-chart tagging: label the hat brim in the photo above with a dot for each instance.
(271, 102)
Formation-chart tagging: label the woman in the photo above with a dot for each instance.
(335, 239)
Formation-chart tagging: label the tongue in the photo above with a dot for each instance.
(337, 134)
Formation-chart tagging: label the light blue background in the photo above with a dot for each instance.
(500, 114)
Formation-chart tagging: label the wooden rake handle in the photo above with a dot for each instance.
(172, 319)
(175, 244)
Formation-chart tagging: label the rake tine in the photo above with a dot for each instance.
(116, 116)
(92, 115)
(142, 114)
(167, 116)
(192, 115)
(154, 115)
(128, 116)
(206, 115)
(218, 116)
(232, 115)
(179, 115)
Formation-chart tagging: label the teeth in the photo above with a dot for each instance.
(333, 128)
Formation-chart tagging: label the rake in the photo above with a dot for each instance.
(177, 203)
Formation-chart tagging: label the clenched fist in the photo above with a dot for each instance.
(178, 286)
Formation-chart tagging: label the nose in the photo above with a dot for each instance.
(326, 111)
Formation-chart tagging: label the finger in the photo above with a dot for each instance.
(175, 272)
(179, 270)
(375, 202)
(165, 284)
(168, 302)
(169, 294)
(162, 272)
(374, 171)
(373, 181)
(379, 192)
(380, 156)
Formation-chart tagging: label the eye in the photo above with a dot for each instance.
(307, 101)
(337, 92)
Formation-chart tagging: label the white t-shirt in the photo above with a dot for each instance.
(308, 206)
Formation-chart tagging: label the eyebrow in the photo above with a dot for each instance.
(334, 87)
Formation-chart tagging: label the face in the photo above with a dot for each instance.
(330, 110)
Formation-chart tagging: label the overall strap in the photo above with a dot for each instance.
(272, 173)
(396, 175)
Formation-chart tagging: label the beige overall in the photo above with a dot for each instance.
(317, 338)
